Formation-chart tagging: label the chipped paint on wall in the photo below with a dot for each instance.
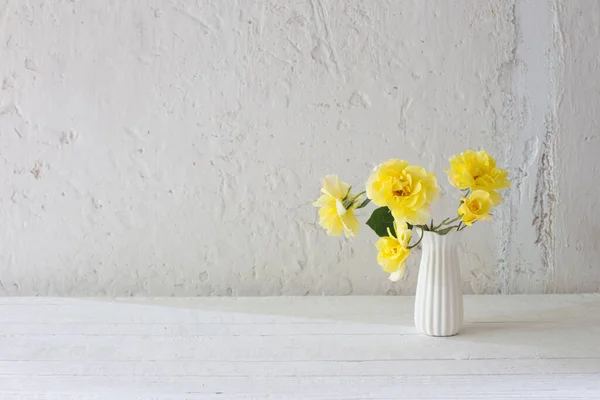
(174, 147)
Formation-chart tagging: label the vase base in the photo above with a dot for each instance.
(440, 335)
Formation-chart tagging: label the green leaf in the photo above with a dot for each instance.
(364, 203)
(381, 220)
(445, 231)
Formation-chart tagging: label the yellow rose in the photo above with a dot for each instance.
(333, 215)
(477, 171)
(393, 250)
(476, 207)
(407, 190)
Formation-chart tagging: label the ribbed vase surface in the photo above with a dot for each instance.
(439, 299)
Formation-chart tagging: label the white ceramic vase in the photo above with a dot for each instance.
(439, 299)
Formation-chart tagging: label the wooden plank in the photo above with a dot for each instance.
(563, 308)
(497, 343)
(114, 395)
(342, 387)
(200, 329)
(302, 368)
(9, 329)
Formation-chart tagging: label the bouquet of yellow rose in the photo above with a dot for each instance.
(404, 194)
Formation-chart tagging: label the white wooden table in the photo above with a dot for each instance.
(543, 347)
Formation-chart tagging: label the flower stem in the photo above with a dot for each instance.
(349, 202)
(360, 194)
(443, 222)
(419, 241)
(447, 221)
(452, 221)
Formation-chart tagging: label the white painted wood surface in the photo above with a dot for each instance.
(512, 347)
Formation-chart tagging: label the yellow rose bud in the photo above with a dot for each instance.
(407, 190)
(477, 171)
(476, 207)
(334, 217)
(393, 250)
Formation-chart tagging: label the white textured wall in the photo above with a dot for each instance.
(577, 149)
(157, 147)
